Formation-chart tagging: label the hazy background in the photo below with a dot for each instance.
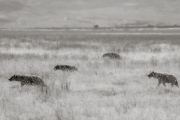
(84, 13)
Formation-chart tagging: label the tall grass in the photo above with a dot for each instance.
(101, 89)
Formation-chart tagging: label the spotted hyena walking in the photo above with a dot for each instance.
(29, 80)
(111, 55)
(164, 78)
(65, 68)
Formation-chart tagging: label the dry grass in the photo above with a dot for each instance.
(102, 89)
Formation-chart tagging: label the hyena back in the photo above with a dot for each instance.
(65, 68)
(164, 78)
(112, 55)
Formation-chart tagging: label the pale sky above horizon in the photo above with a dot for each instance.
(83, 13)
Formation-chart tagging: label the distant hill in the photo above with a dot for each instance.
(83, 13)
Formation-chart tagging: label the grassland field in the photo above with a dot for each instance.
(102, 89)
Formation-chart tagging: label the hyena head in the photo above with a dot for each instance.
(151, 74)
(56, 67)
(176, 84)
(13, 78)
(75, 68)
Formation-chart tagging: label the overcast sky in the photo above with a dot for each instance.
(87, 13)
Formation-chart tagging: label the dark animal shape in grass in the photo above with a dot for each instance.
(29, 80)
(111, 55)
(65, 68)
(164, 78)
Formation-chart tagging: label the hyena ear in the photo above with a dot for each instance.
(15, 76)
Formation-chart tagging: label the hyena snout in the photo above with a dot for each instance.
(12, 78)
(149, 76)
(56, 67)
(176, 83)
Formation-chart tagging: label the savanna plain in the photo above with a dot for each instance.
(102, 88)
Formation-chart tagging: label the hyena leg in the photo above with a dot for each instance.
(159, 83)
(164, 84)
(45, 89)
(42, 88)
(22, 84)
(62, 86)
(172, 84)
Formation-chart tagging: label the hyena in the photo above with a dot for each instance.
(112, 55)
(29, 80)
(65, 68)
(164, 78)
